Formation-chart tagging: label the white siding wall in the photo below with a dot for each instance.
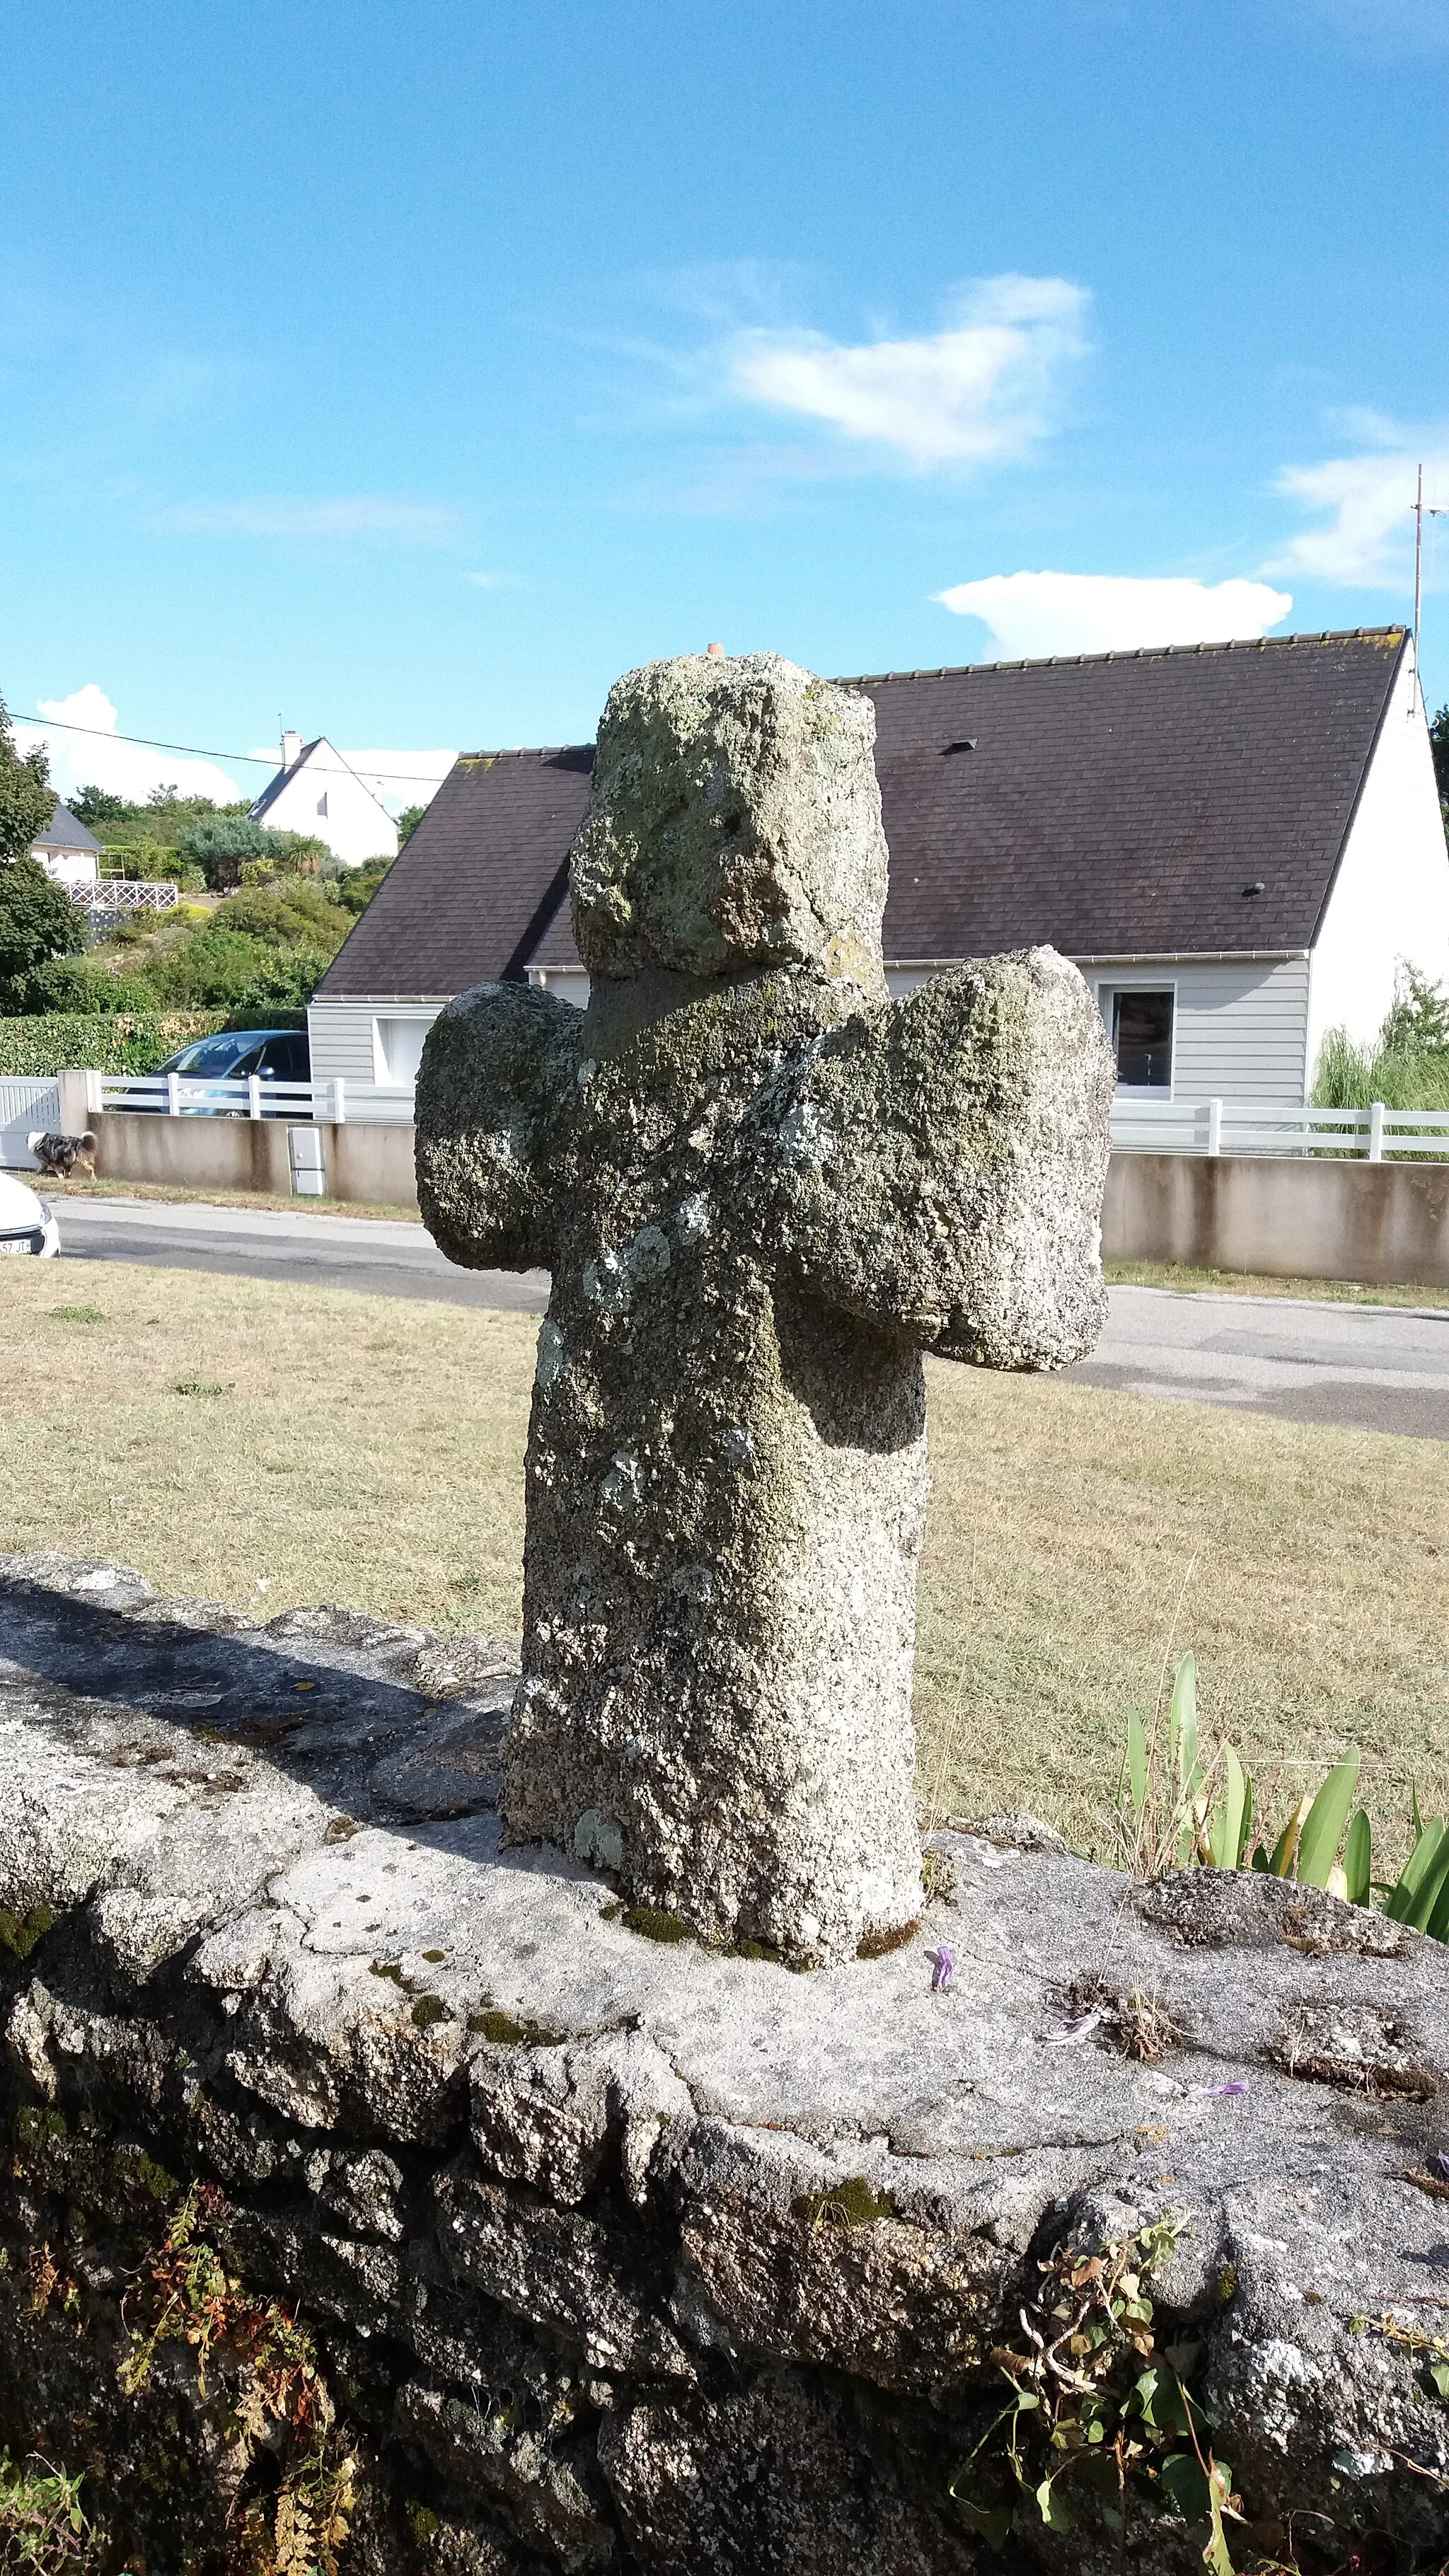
(1239, 1025)
(1239, 1033)
(341, 1034)
(1391, 897)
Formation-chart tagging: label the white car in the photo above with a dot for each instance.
(26, 1222)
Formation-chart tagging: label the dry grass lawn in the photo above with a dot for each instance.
(224, 1433)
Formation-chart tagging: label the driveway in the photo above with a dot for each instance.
(1369, 1368)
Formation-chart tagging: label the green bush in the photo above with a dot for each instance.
(1406, 1066)
(121, 1043)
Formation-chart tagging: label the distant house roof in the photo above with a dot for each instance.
(284, 777)
(64, 833)
(1112, 804)
(274, 786)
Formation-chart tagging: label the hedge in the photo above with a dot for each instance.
(119, 1043)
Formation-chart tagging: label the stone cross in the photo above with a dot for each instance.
(762, 1189)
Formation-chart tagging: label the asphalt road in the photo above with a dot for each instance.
(381, 1257)
(1370, 1368)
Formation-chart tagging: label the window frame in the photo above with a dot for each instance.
(1107, 987)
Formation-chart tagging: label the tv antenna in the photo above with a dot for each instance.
(1422, 510)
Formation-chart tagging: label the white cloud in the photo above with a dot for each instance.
(93, 756)
(1365, 504)
(361, 514)
(1033, 614)
(983, 389)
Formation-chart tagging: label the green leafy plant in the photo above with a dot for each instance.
(1178, 1808)
(274, 2397)
(1099, 2416)
(43, 2525)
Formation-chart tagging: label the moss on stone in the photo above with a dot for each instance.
(877, 1944)
(20, 1935)
(504, 2032)
(852, 2203)
(429, 2009)
(654, 1924)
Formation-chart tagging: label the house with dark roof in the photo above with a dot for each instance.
(316, 791)
(66, 850)
(1235, 843)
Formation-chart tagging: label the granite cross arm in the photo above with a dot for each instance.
(761, 1190)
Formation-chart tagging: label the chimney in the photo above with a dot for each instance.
(291, 750)
(715, 652)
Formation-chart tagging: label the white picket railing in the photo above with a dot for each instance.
(27, 1102)
(1232, 1127)
(126, 894)
(184, 1095)
(1138, 1126)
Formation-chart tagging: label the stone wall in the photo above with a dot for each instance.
(380, 2198)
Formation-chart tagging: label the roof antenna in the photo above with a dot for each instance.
(1422, 510)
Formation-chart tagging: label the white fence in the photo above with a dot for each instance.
(182, 1095)
(27, 1101)
(126, 894)
(1230, 1127)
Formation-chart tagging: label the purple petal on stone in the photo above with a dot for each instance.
(1223, 2092)
(943, 1970)
(1439, 2165)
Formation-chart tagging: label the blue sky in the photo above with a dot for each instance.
(407, 372)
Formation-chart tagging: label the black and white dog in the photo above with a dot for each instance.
(60, 1157)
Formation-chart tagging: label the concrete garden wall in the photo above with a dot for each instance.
(1386, 1224)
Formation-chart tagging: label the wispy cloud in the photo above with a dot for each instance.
(491, 580)
(1364, 505)
(363, 514)
(1033, 614)
(1378, 30)
(984, 389)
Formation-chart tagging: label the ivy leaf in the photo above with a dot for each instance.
(1053, 2508)
(1439, 2373)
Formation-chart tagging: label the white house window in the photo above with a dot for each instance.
(322, 804)
(397, 1049)
(1140, 1023)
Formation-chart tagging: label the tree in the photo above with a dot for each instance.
(38, 921)
(356, 887)
(224, 844)
(1418, 1023)
(1439, 745)
(96, 805)
(27, 799)
(412, 815)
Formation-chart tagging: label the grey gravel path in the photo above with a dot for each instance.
(1369, 1368)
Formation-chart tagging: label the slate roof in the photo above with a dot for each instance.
(1114, 804)
(472, 892)
(64, 832)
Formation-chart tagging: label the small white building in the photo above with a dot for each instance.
(316, 792)
(1236, 843)
(67, 851)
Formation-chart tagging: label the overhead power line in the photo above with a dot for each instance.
(198, 751)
